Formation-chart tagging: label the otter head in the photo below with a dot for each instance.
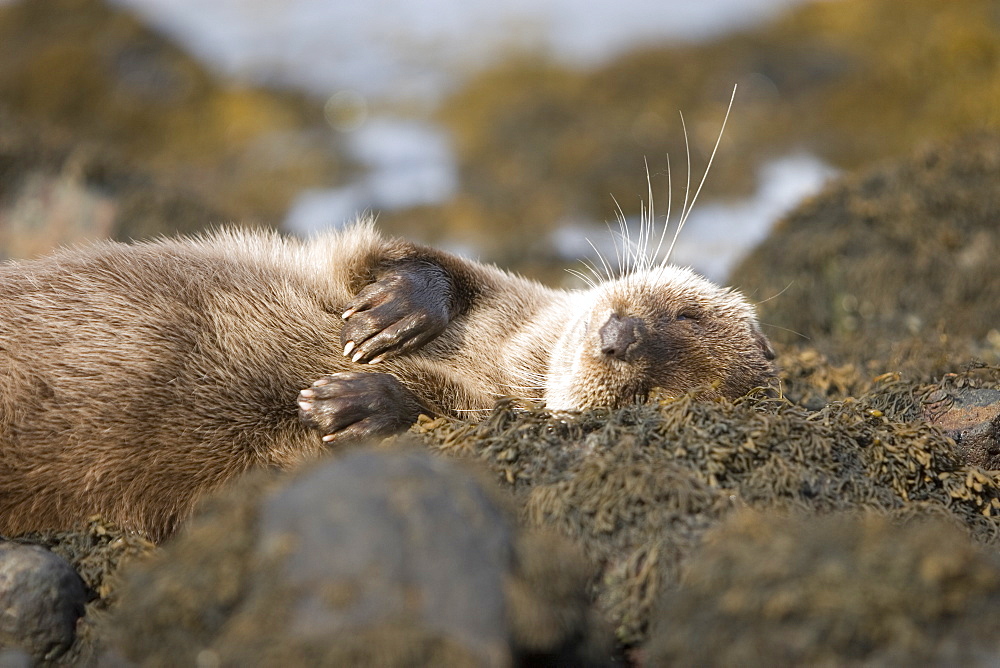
(664, 329)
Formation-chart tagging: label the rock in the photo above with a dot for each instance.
(639, 487)
(376, 557)
(95, 551)
(41, 598)
(14, 658)
(840, 589)
(55, 191)
(973, 421)
(410, 539)
(891, 267)
(99, 74)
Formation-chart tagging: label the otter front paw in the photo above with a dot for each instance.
(405, 308)
(350, 406)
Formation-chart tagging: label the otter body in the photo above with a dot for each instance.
(136, 378)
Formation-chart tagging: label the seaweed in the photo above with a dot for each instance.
(892, 268)
(639, 487)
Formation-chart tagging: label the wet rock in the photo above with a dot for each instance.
(538, 143)
(41, 598)
(972, 419)
(95, 551)
(373, 558)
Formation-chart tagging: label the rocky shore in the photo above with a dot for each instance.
(852, 519)
(851, 534)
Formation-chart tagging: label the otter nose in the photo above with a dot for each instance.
(618, 335)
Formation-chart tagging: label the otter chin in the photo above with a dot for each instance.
(665, 329)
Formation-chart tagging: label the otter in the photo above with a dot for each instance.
(135, 378)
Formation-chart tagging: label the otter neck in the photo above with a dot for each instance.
(520, 350)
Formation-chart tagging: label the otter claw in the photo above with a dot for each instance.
(406, 307)
(358, 405)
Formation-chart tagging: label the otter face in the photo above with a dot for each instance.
(664, 329)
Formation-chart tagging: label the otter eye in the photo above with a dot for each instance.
(687, 315)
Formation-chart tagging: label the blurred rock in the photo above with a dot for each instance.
(374, 538)
(96, 552)
(842, 589)
(373, 558)
(892, 268)
(14, 658)
(41, 598)
(55, 191)
(92, 71)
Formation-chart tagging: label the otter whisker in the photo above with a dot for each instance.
(650, 222)
(535, 382)
(627, 262)
(519, 395)
(687, 191)
(666, 221)
(607, 269)
(637, 255)
(785, 329)
(633, 250)
(790, 283)
(686, 210)
(532, 382)
(592, 268)
(528, 374)
(583, 277)
(623, 232)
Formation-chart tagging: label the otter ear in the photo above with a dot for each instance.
(761, 340)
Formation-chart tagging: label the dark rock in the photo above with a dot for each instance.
(96, 552)
(973, 421)
(373, 558)
(41, 598)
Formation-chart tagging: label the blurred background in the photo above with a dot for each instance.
(511, 132)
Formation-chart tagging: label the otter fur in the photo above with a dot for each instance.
(135, 378)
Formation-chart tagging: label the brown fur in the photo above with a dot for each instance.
(136, 378)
